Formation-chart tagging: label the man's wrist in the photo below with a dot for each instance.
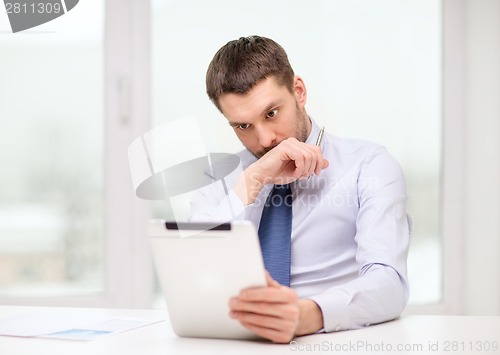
(311, 317)
(248, 186)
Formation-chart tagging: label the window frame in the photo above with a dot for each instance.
(453, 164)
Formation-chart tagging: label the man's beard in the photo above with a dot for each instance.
(300, 132)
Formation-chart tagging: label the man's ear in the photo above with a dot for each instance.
(300, 91)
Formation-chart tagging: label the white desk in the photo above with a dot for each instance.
(414, 334)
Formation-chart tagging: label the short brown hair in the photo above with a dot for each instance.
(241, 63)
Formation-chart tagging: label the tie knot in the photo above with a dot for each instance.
(284, 186)
(281, 196)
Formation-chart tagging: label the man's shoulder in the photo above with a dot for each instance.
(349, 152)
(353, 145)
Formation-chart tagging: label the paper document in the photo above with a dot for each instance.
(68, 325)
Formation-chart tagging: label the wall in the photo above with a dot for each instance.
(471, 181)
(482, 157)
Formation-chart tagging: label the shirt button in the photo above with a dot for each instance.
(337, 328)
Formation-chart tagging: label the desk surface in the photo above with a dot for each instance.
(407, 335)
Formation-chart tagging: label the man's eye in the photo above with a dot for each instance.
(272, 113)
(243, 126)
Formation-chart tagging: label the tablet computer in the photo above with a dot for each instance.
(200, 266)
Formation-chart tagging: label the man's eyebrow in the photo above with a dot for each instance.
(270, 107)
(233, 124)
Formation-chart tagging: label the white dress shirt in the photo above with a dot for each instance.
(350, 233)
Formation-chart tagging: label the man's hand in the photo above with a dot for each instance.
(288, 161)
(275, 312)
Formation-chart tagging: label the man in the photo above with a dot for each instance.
(349, 229)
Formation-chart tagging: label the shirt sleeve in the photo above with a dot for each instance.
(216, 203)
(381, 290)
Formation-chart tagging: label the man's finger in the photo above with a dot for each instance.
(270, 281)
(280, 294)
(271, 334)
(242, 310)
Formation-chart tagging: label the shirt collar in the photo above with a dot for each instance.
(313, 136)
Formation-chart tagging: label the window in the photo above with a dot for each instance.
(52, 220)
(71, 101)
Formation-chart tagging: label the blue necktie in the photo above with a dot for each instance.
(275, 232)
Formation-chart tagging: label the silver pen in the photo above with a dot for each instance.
(320, 136)
(318, 142)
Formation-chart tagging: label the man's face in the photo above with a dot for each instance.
(267, 115)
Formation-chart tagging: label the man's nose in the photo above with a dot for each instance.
(266, 137)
